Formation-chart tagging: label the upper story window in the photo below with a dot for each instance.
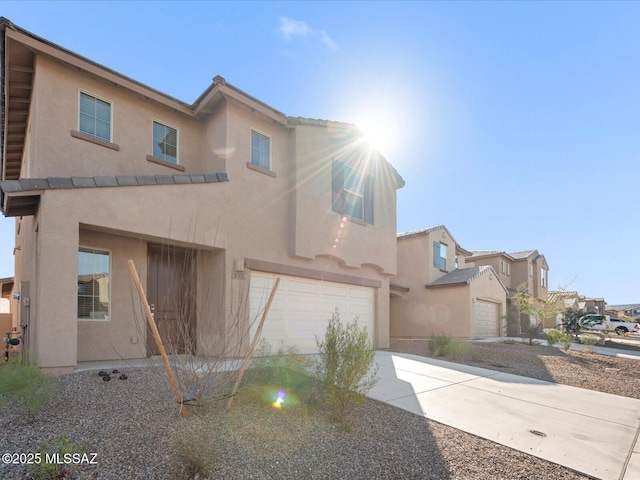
(505, 267)
(260, 150)
(530, 270)
(440, 256)
(165, 142)
(457, 262)
(352, 192)
(543, 277)
(93, 284)
(95, 117)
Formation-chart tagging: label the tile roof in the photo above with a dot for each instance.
(54, 183)
(465, 276)
(523, 254)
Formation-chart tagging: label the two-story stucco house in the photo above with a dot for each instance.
(431, 295)
(526, 271)
(211, 201)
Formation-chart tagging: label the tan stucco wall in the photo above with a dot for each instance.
(56, 96)
(123, 335)
(284, 218)
(423, 312)
(320, 231)
(434, 311)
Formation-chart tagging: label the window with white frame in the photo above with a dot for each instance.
(165, 142)
(93, 284)
(95, 117)
(530, 270)
(440, 256)
(352, 192)
(260, 150)
(543, 277)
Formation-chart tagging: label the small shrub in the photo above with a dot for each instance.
(26, 387)
(52, 455)
(554, 336)
(345, 366)
(590, 339)
(567, 341)
(286, 371)
(457, 348)
(438, 343)
(193, 445)
(532, 332)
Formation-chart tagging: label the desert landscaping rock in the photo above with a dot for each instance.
(130, 425)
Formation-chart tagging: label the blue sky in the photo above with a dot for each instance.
(515, 124)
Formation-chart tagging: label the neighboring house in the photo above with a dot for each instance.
(565, 300)
(631, 310)
(593, 305)
(527, 271)
(431, 296)
(212, 201)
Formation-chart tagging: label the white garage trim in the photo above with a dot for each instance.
(302, 308)
(486, 319)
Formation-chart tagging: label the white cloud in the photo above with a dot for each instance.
(290, 28)
(326, 39)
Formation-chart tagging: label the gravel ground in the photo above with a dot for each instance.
(133, 425)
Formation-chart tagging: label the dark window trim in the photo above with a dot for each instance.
(97, 141)
(337, 187)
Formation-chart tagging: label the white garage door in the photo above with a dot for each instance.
(485, 322)
(302, 308)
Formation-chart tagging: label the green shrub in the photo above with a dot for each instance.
(556, 336)
(52, 456)
(444, 346)
(590, 339)
(345, 367)
(456, 348)
(26, 387)
(285, 368)
(567, 341)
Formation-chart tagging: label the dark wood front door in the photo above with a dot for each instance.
(171, 295)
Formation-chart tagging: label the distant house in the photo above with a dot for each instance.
(430, 295)
(211, 200)
(631, 310)
(593, 305)
(526, 271)
(565, 300)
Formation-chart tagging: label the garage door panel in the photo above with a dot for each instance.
(302, 308)
(485, 321)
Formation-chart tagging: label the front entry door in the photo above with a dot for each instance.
(171, 295)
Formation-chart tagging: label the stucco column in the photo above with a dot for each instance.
(382, 314)
(54, 301)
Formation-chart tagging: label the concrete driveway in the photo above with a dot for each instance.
(591, 432)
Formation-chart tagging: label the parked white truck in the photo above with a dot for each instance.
(606, 323)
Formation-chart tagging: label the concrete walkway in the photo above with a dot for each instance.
(591, 432)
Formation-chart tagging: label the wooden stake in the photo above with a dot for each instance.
(245, 364)
(156, 336)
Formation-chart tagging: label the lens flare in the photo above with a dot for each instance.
(279, 400)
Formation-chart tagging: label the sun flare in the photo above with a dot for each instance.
(378, 132)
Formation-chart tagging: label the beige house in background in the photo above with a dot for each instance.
(430, 295)
(211, 200)
(527, 270)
